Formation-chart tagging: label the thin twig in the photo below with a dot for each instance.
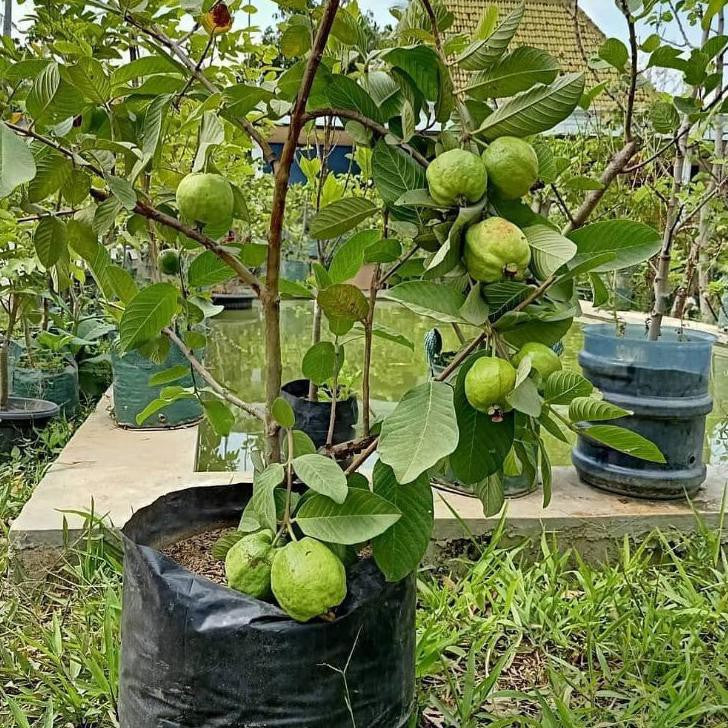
(225, 393)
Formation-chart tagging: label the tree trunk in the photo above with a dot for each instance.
(662, 285)
(8, 18)
(270, 295)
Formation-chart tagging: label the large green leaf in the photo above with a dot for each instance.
(399, 550)
(341, 216)
(17, 165)
(395, 172)
(319, 362)
(323, 475)
(211, 135)
(147, 314)
(564, 386)
(550, 250)
(631, 242)
(50, 240)
(89, 77)
(626, 441)
(52, 172)
(516, 72)
(483, 444)
(436, 300)
(349, 256)
(208, 270)
(536, 110)
(484, 53)
(345, 93)
(263, 499)
(146, 66)
(362, 516)
(343, 301)
(420, 63)
(588, 409)
(421, 430)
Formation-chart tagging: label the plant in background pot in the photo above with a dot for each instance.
(332, 641)
(20, 282)
(662, 374)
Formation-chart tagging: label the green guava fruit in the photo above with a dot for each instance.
(308, 579)
(496, 249)
(487, 383)
(455, 177)
(512, 167)
(248, 564)
(544, 360)
(169, 262)
(205, 198)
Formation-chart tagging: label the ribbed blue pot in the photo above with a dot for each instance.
(666, 384)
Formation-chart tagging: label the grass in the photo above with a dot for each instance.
(560, 644)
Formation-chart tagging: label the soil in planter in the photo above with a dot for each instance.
(195, 554)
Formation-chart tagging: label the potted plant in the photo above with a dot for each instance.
(662, 374)
(316, 624)
(19, 280)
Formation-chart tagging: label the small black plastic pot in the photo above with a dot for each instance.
(666, 384)
(21, 418)
(195, 653)
(313, 417)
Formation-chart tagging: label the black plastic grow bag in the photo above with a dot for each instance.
(196, 654)
(313, 417)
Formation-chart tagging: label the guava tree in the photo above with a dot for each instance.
(451, 127)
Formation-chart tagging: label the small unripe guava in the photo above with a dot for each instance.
(544, 360)
(248, 564)
(488, 382)
(457, 177)
(496, 249)
(512, 167)
(308, 579)
(206, 199)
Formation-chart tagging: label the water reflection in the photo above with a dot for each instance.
(235, 355)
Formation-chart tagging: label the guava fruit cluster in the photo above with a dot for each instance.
(494, 249)
(307, 579)
(490, 380)
(206, 199)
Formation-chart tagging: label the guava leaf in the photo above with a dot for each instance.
(400, 548)
(362, 516)
(421, 430)
(323, 475)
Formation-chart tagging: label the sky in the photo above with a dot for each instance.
(603, 12)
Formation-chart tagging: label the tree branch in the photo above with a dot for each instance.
(226, 394)
(614, 168)
(152, 213)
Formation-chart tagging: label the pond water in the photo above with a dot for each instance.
(235, 356)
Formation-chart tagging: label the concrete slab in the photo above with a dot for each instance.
(592, 522)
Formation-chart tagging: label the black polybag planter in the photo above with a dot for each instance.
(313, 417)
(196, 654)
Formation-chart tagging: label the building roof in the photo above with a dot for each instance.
(547, 24)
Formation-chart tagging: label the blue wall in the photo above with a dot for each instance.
(338, 162)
